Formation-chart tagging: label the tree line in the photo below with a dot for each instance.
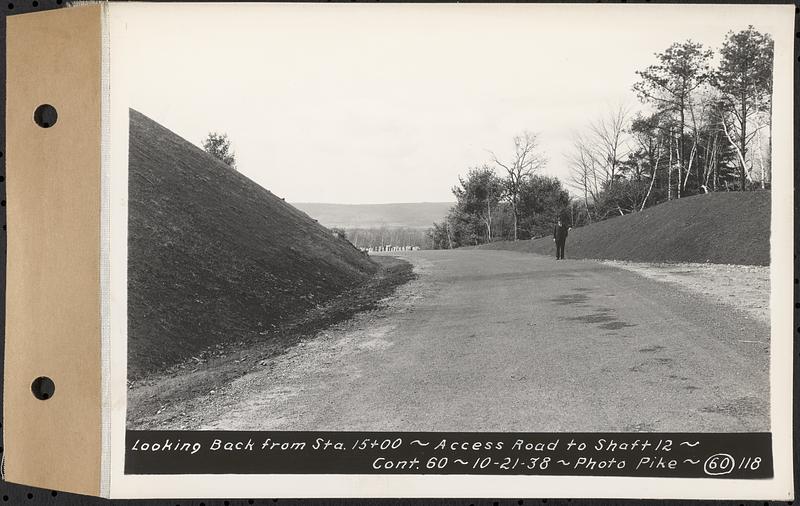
(517, 203)
(705, 126)
(377, 237)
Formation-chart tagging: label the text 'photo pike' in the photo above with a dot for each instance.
(431, 250)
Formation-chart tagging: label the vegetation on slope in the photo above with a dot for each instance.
(213, 257)
(723, 228)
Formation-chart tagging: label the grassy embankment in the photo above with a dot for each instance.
(721, 228)
(215, 260)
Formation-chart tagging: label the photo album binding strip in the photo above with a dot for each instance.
(52, 369)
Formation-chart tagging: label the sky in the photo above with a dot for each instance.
(384, 103)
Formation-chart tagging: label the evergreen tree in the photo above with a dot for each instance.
(744, 79)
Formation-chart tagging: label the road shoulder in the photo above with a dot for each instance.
(744, 288)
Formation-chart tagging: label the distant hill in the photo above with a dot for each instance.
(724, 228)
(214, 257)
(411, 215)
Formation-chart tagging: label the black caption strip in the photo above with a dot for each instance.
(677, 455)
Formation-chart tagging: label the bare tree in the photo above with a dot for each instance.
(524, 163)
(584, 172)
(609, 142)
(598, 155)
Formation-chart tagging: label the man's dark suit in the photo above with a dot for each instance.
(560, 235)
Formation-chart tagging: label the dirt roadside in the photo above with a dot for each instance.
(742, 287)
(156, 402)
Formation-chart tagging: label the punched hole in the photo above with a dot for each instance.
(43, 388)
(45, 115)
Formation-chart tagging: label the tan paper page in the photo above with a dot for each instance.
(53, 315)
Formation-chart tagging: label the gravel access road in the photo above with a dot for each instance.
(488, 340)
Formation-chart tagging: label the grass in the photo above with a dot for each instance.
(185, 384)
(213, 258)
(720, 228)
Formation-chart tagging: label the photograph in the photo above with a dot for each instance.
(450, 219)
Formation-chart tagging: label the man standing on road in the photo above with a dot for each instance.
(560, 237)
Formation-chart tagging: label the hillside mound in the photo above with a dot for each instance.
(721, 228)
(213, 257)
